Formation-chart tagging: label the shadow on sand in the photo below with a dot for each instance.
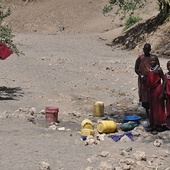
(8, 93)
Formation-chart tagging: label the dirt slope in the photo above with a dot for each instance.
(76, 16)
(51, 16)
(79, 16)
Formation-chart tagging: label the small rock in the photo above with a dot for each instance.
(123, 152)
(101, 137)
(140, 155)
(89, 168)
(68, 130)
(42, 112)
(129, 161)
(90, 140)
(44, 166)
(31, 119)
(158, 143)
(52, 127)
(133, 88)
(104, 154)
(129, 149)
(126, 167)
(106, 166)
(61, 128)
(89, 160)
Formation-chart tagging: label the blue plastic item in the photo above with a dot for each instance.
(84, 137)
(131, 118)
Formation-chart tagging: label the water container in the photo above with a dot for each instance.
(51, 114)
(98, 109)
(106, 126)
(87, 124)
(87, 132)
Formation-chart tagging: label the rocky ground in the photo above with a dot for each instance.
(71, 69)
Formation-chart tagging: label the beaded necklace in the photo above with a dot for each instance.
(154, 68)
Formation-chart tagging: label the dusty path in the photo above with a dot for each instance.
(60, 70)
(70, 72)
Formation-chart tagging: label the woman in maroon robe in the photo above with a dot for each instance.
(142, 67)
(156, 89)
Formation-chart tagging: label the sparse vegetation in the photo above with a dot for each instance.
(125, 6)
(128, 7)
(131, 20)
(6, 35)
(107, 8)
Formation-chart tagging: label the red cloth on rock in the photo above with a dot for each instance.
(157, 107)
(5, 51)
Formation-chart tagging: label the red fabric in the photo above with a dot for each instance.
(157, 107)
(144, 66)
(167, 78)
(5, 51)
(144, 69)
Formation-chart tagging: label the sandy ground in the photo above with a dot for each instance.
(70, 70)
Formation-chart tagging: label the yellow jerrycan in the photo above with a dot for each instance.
(87, 124)
(87, 132)
(106, 126)
(98, 109)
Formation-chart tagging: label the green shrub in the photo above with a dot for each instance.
(112, 1)
(107, 8)
(131, 20)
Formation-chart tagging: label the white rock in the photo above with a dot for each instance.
(90, 141)
(101, 137)
(61, 128)
(126, 167)
(104, 154)
(129, 161)
(44, 166)
(42, 112)
(52, 127)
(89, 168)
(133, 88)
(158, 143)
(89, 160)
(106, 166)
(4, 115)
(140, 155)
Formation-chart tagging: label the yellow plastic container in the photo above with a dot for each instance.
(87, 124)
(98, 109)
(106, 126)
(87, 132)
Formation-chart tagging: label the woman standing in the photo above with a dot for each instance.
(156, 86)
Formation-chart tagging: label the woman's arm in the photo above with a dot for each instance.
(137, 63)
